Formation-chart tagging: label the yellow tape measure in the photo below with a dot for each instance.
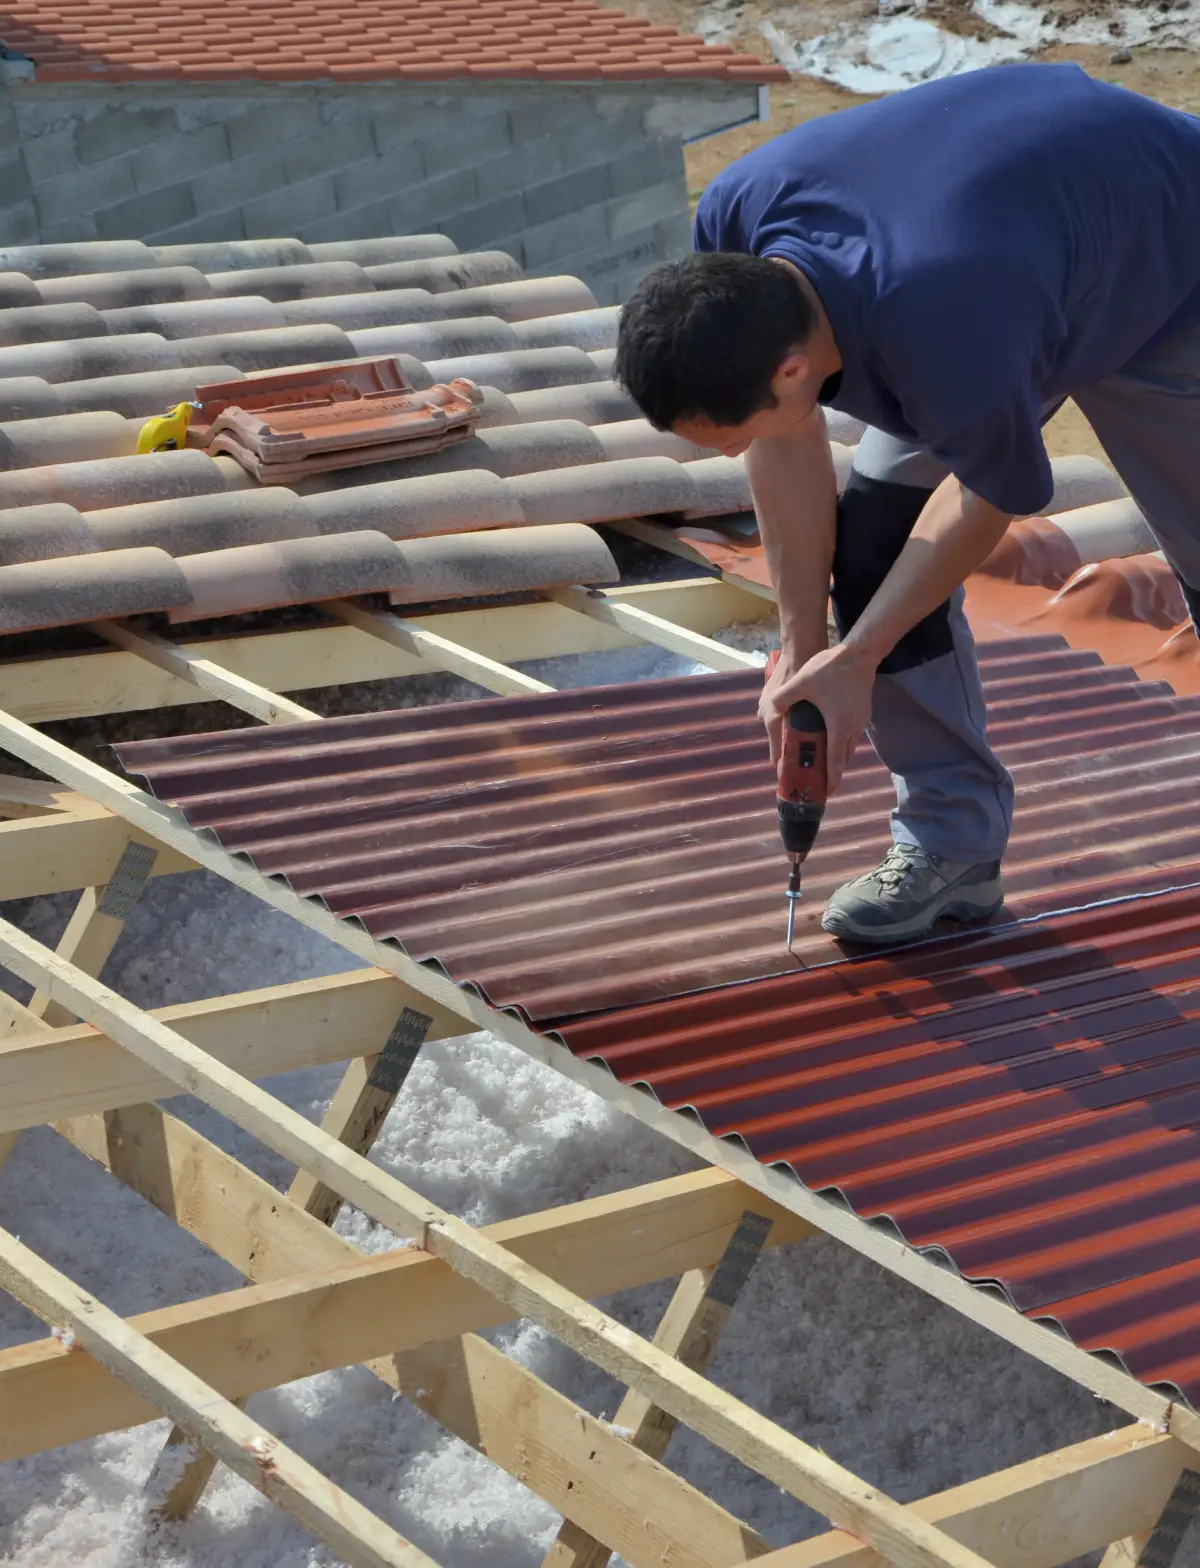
(167, 432)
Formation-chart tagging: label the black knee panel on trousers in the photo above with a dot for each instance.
(874, 520)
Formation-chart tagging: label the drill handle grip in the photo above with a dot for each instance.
(803, 770)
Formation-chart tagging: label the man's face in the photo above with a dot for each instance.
(795, 388)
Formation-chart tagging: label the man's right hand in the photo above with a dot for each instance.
(790, 663)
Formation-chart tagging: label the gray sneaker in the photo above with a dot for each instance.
(900, 900)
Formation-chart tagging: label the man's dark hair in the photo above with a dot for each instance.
(704, 336)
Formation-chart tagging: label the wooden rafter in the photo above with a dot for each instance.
(208, 677)
(470, 1388)
(307, 1321)
(602, 606)
(275, 1029)
(1038, 1514)
(77, 685)
(358, 1535)
(435, 651)
(689, 1331)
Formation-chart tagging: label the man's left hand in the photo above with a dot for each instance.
(840, 682)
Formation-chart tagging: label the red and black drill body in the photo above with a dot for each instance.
(802, 787)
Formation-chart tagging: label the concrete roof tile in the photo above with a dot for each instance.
(442, 339)
(531, 448)
(382, 308)
(40, 533)
(639, 438)
(212, 256)
(1082, 481)
(1105, 530)
(496, 410)
(590, 402)
(378, 252)
(270, 349)
(197, 524)
(720, 486)
(523, 299)
(463, 566)
(195, 318)
(415, 507)
(522, 370)
(290, 571)
(308, 280)
(586, 329)
(49, 324)
(73, 359)
(115, 290)
(28, 397)
(72, 589)
(17, 289)
(139, 394)
(93, 484)
(64, 438)
(440, 274)
(56, 261)
(603, 491)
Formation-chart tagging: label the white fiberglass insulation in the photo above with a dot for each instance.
(908, 1394)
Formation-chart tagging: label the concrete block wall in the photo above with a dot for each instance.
(579, 179)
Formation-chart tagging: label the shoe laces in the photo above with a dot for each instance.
(900, 862)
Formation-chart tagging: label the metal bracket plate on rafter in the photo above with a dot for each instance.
(740, 1256)
(1173, 1523)
(399, 1055)
(124, 887)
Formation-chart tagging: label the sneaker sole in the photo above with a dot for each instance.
(977, 903)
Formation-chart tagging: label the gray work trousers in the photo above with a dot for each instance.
(953, 796)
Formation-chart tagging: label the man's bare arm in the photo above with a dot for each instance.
(795, 499)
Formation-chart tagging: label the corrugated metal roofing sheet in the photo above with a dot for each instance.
(595, 848)
(1025, 1104)
(1021, 1103)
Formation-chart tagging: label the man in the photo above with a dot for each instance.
(948, 265)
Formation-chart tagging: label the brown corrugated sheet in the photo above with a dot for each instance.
(1021, 1101)
(1024, 1104)
(591, 849)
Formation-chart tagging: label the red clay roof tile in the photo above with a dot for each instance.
(301, 43)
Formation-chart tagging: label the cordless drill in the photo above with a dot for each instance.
(801, 788)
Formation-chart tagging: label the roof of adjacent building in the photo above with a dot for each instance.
(118, 40)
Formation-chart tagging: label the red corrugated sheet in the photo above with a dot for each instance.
(1022, 1101)
(1024, 1104)
(595, 848)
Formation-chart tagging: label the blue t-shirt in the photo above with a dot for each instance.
(983, 246)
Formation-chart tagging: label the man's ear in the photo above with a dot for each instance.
(794, 370)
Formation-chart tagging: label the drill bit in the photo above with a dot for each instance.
(793, 895)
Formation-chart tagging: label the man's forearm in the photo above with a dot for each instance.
(954, 535)
(795, 499)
